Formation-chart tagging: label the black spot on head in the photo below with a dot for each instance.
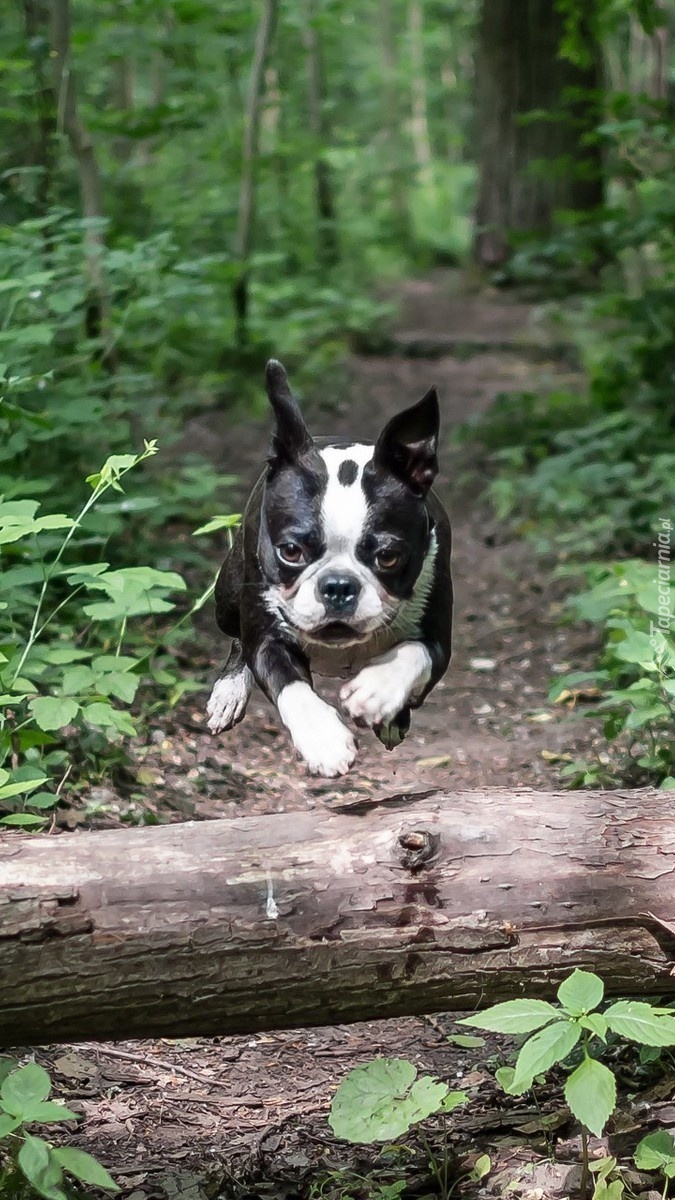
(347, 472)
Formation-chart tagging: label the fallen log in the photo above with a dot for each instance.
(408, 905)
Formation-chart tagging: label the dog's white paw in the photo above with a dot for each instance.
(228, 700)
(317, 732)
(381, 690)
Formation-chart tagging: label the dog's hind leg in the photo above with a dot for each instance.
(231, 692)
(391, 733)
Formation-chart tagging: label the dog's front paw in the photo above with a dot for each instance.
(328, 749)
(228, 700)
(318, 734)
(374, 696)
(383, 689)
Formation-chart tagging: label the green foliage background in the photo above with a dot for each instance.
(141, 282)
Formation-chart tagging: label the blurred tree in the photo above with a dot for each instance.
(327, 241)
(249, 164)
(536, 114)
(81, 144)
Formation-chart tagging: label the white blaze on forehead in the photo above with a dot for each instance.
(344, 510)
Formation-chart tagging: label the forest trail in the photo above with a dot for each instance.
(245, 1117)
(489, 720)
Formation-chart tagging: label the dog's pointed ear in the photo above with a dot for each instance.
(408, 444)
(291, 437)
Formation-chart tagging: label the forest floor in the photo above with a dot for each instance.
(246, 1117)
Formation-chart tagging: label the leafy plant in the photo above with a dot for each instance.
(576, 1028)
(656, 1152)
(384, 1099)
(24, 1102)
(64, 621)
(632, 602)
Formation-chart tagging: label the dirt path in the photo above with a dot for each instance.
(488, 721)
(255, 1116)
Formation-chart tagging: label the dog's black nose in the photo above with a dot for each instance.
(340, 592)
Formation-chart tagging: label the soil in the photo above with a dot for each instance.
(246, 1117)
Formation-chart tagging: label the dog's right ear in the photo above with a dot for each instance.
(291, 437)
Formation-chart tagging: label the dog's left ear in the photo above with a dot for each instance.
(291, 437)
(408, 444)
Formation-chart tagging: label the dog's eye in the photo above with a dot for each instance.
(387, 559)
(290, 552)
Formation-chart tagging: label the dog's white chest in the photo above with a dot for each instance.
(341, 662)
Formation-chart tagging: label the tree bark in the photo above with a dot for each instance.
(414, 904)
(419, 127)
(249, 162)
(529, 168)
(327, 241)
(396, 147)
(82, 146)
(36, 24)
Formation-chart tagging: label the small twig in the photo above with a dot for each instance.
(61, 783)
(150, 1061)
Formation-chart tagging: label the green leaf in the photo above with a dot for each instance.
(514, 1016)
(609, 1191)
(121, 684)
(466, 1041)
(7, 1065)
(104, 716)
(18, 786)
(53, 712)
(85, 1168)
(46, 1111)
(77, 680)
(227, 522)
(379, 1102)
(40, 1167)
(63, 655)
(481, 1168)
(43, 800)
(655, 1151)
(590, 1093)
(23, 1087)
(505, 1077)
(545, 1048)
(23, 820)
(8, 1124)
(114, 662)
(637, 1020)
(453, 1100)
(129, 606)
(581, 992)
(595, 1023)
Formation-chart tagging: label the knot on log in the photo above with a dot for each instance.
(419, 847)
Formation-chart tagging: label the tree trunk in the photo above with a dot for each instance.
(396, 149)
(414, 904)
(327, 242)
(249, 162)
(82, 146)
(418, 85)
(36, 24)
(122, 98)
(530, 168)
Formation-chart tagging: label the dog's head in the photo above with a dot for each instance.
(345, 528)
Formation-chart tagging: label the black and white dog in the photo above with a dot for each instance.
(341, 567)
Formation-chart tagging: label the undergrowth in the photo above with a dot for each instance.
(588, 478)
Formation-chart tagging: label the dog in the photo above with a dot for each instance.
(341, 567)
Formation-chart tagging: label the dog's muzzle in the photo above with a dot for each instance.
(339, 594)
